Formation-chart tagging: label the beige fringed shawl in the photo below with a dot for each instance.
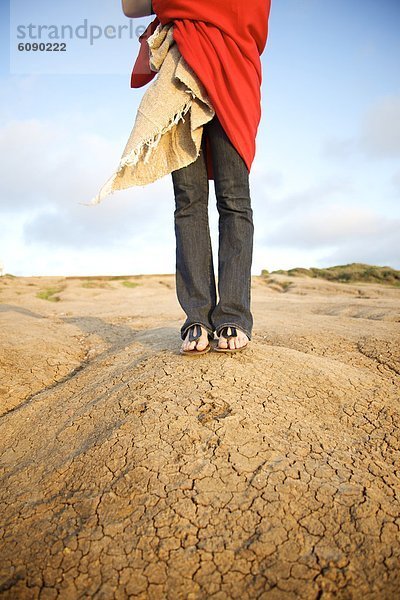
(162, 139)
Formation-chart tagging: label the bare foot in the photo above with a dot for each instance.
(236, 342)
(199, 344)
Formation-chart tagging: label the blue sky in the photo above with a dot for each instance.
(325, 183)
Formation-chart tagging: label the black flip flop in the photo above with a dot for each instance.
(224, 333)
(195, 336)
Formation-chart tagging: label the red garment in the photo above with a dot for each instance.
(222, 41)
(142, 73)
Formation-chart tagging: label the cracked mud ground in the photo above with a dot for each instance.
(130, 471)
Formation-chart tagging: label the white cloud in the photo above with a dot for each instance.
(396, 181)
(338, 233)
(135, 257)
(291, 207)
(269, 178)
(336, 147)
(378, 136)
(44, 163)
(48, 169)
(380, 133)
(121, 217)
(16, 92)
(378, 249)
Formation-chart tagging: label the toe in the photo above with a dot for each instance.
(222, 342)
(242, 340)
(202, 343)
(199, 344)
(203, 340)
(236, 342)
(187, 345)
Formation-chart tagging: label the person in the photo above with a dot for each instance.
(230, 315)
(195, 280)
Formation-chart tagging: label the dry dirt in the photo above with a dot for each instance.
(130, 471)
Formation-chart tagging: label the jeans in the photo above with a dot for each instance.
(195, 280)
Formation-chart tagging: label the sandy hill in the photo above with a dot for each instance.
(130, 471)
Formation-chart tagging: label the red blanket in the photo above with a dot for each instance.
(222, 40)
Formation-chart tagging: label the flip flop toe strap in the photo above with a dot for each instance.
(194, 336)
(224, 332)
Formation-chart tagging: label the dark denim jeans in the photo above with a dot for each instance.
(195, 281)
